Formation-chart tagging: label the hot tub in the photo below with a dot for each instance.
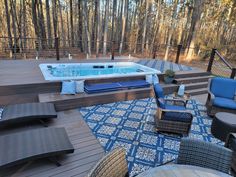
(86, 71)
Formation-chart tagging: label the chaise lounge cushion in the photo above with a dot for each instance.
(107, 87)
(104, 87)
(224, 103)
(222, 87)
(134, 84)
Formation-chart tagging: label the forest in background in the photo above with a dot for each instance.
(132, 26)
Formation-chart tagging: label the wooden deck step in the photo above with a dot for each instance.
(199, 85)
(194, 73)
(192, 79)
(66, 102)
(197, 91)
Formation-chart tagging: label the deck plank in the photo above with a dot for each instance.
(87, 149)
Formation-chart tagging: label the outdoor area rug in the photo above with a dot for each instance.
(130, 124)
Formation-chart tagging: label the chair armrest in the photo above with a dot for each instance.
(210, 98)
(229, 140)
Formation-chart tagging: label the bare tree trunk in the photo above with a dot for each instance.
(24, 24)
(80, 27)
(198, 6)
(48, 24)
(105, 28)
(123, 25)
(95, 23)
(8, 24)
(71, 24)
(55, 20)
(62, 26)
(170, 30)
(113, 19)
(42, 25)
(35, 18)
(15, 46)
(98, 36)
(85, 14)
(68, 28)
(145, 26)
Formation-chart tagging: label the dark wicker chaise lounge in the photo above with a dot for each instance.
(17, 113)
(33, 144)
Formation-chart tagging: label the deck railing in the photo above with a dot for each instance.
(61, 48)
(219, 66)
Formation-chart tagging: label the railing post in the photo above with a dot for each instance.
(57, 48)
(37, 50)
(213, 52)
(113, 51)
(154, 54)
(233, 73)
(179, 48)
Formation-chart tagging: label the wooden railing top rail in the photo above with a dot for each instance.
(222, 59)
(212, 58)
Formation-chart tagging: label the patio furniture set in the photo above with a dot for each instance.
(195, 156)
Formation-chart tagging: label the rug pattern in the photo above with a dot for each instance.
(130, 124)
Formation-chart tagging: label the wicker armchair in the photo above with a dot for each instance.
(221, 96)
(171, 115)
(231, 144)
(112, 164)
(204, 154)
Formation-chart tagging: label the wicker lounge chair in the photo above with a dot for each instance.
(231, 144)
(111, 165)
(18, 113)
(172, 117)
(204, 154)
(221, 96)
(33, 144)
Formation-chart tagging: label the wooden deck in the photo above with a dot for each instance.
(87, 150)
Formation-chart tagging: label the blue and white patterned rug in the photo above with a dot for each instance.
(130, 124)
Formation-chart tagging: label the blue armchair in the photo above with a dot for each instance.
(221, 96)
(171, 115)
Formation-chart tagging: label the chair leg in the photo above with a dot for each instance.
(43, 123)
(54, 160)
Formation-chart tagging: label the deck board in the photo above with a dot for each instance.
(87, 149)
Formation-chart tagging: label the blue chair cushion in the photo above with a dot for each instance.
(223, 87)
(177, 116)
(224, 103)
(158, 91)
(134, 84)
(103, 87)
(174, 107)
(68, 87)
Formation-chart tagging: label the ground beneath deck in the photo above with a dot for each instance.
(87, 150)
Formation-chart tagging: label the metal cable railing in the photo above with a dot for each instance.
(219, 66)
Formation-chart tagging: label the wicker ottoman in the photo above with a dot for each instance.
(223, 124)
